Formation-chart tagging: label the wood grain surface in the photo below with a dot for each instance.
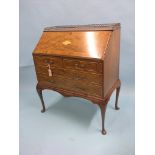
(93, 44)
(80, 62)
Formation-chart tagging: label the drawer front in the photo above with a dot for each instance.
(44, 70)
(68, 63)
(44, 61)
(71, 74)
(86, 88)
(72, 85)
(76, 75)
(55, 81)
(85, 65)
(83, 76)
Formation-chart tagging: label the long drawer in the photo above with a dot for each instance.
(71, 74)
(72, 85)
(69, 63)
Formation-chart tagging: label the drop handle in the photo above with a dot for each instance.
(76, 65)
(46, 61)
(82, 89)
(52, 62)
(52, 81)
(78, 78)
(82, 65)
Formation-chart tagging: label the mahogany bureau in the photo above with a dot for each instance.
(80, 60)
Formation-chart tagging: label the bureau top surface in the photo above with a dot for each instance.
(87, 41)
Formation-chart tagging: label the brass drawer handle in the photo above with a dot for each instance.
(78, 78)
(82, 65)
(79, 65)
(52, 80)
(83, 89)
(76, 65)
(47, 61)
(51, 62)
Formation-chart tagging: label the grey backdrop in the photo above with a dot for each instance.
(37, 14)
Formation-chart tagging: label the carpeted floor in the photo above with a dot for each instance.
(71, 126)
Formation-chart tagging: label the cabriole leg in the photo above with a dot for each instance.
(103, 110)
(39, 91)
(117, 95)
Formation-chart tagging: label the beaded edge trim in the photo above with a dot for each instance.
(91, 27)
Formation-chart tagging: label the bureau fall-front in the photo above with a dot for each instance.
(81, 61)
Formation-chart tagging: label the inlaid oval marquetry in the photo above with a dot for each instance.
(66, 42)
(92, 44)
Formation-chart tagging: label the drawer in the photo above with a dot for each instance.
(86, 88)
(44, 70)
(55, 81)
(74, 86)
(83, 76)
(85, 65)
(44, 61)
(72, 74)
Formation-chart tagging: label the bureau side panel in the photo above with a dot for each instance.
(111, 62)
(35, 65)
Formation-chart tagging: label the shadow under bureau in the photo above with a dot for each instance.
(80, 60)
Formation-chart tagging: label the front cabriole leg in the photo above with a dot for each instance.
(39, 91)
(103, 107)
